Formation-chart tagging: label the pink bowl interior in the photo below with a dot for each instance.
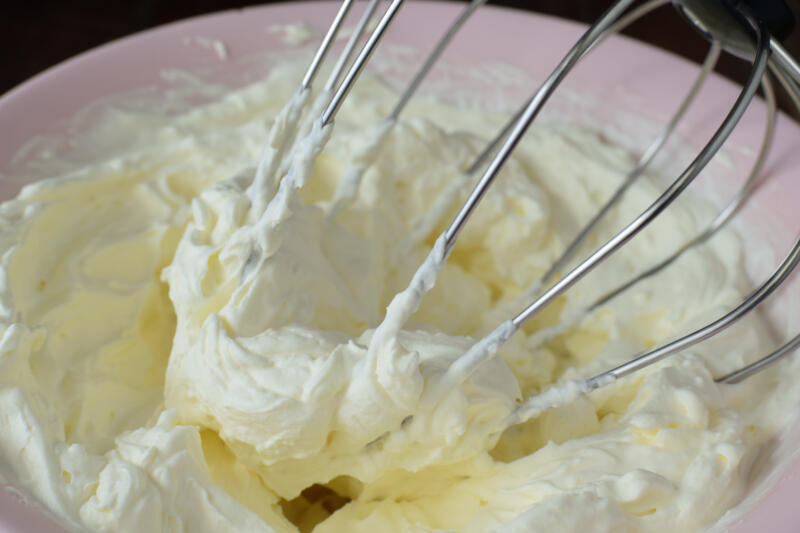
(639, 79)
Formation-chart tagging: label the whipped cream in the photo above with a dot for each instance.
(208, 335)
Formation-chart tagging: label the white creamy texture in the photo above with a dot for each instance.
(185, 349)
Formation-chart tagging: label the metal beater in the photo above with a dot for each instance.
(728, 24)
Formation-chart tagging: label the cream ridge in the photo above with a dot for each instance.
(193, 333)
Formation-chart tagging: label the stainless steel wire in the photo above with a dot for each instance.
(433, 57)
(360, 62)
(322, 51)
(350, 47)
(753, 368)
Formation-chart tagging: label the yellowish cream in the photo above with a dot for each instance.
(185, 348)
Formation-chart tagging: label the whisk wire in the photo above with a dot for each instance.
(350, 47)
(322, 51)
(360, 62)
(433, 57)
(753, 368)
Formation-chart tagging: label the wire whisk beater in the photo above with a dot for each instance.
(749, 30)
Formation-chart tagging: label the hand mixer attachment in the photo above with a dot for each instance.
(728, 25)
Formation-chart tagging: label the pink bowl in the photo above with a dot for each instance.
(628, 76)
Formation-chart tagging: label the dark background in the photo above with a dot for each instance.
(36, 34)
